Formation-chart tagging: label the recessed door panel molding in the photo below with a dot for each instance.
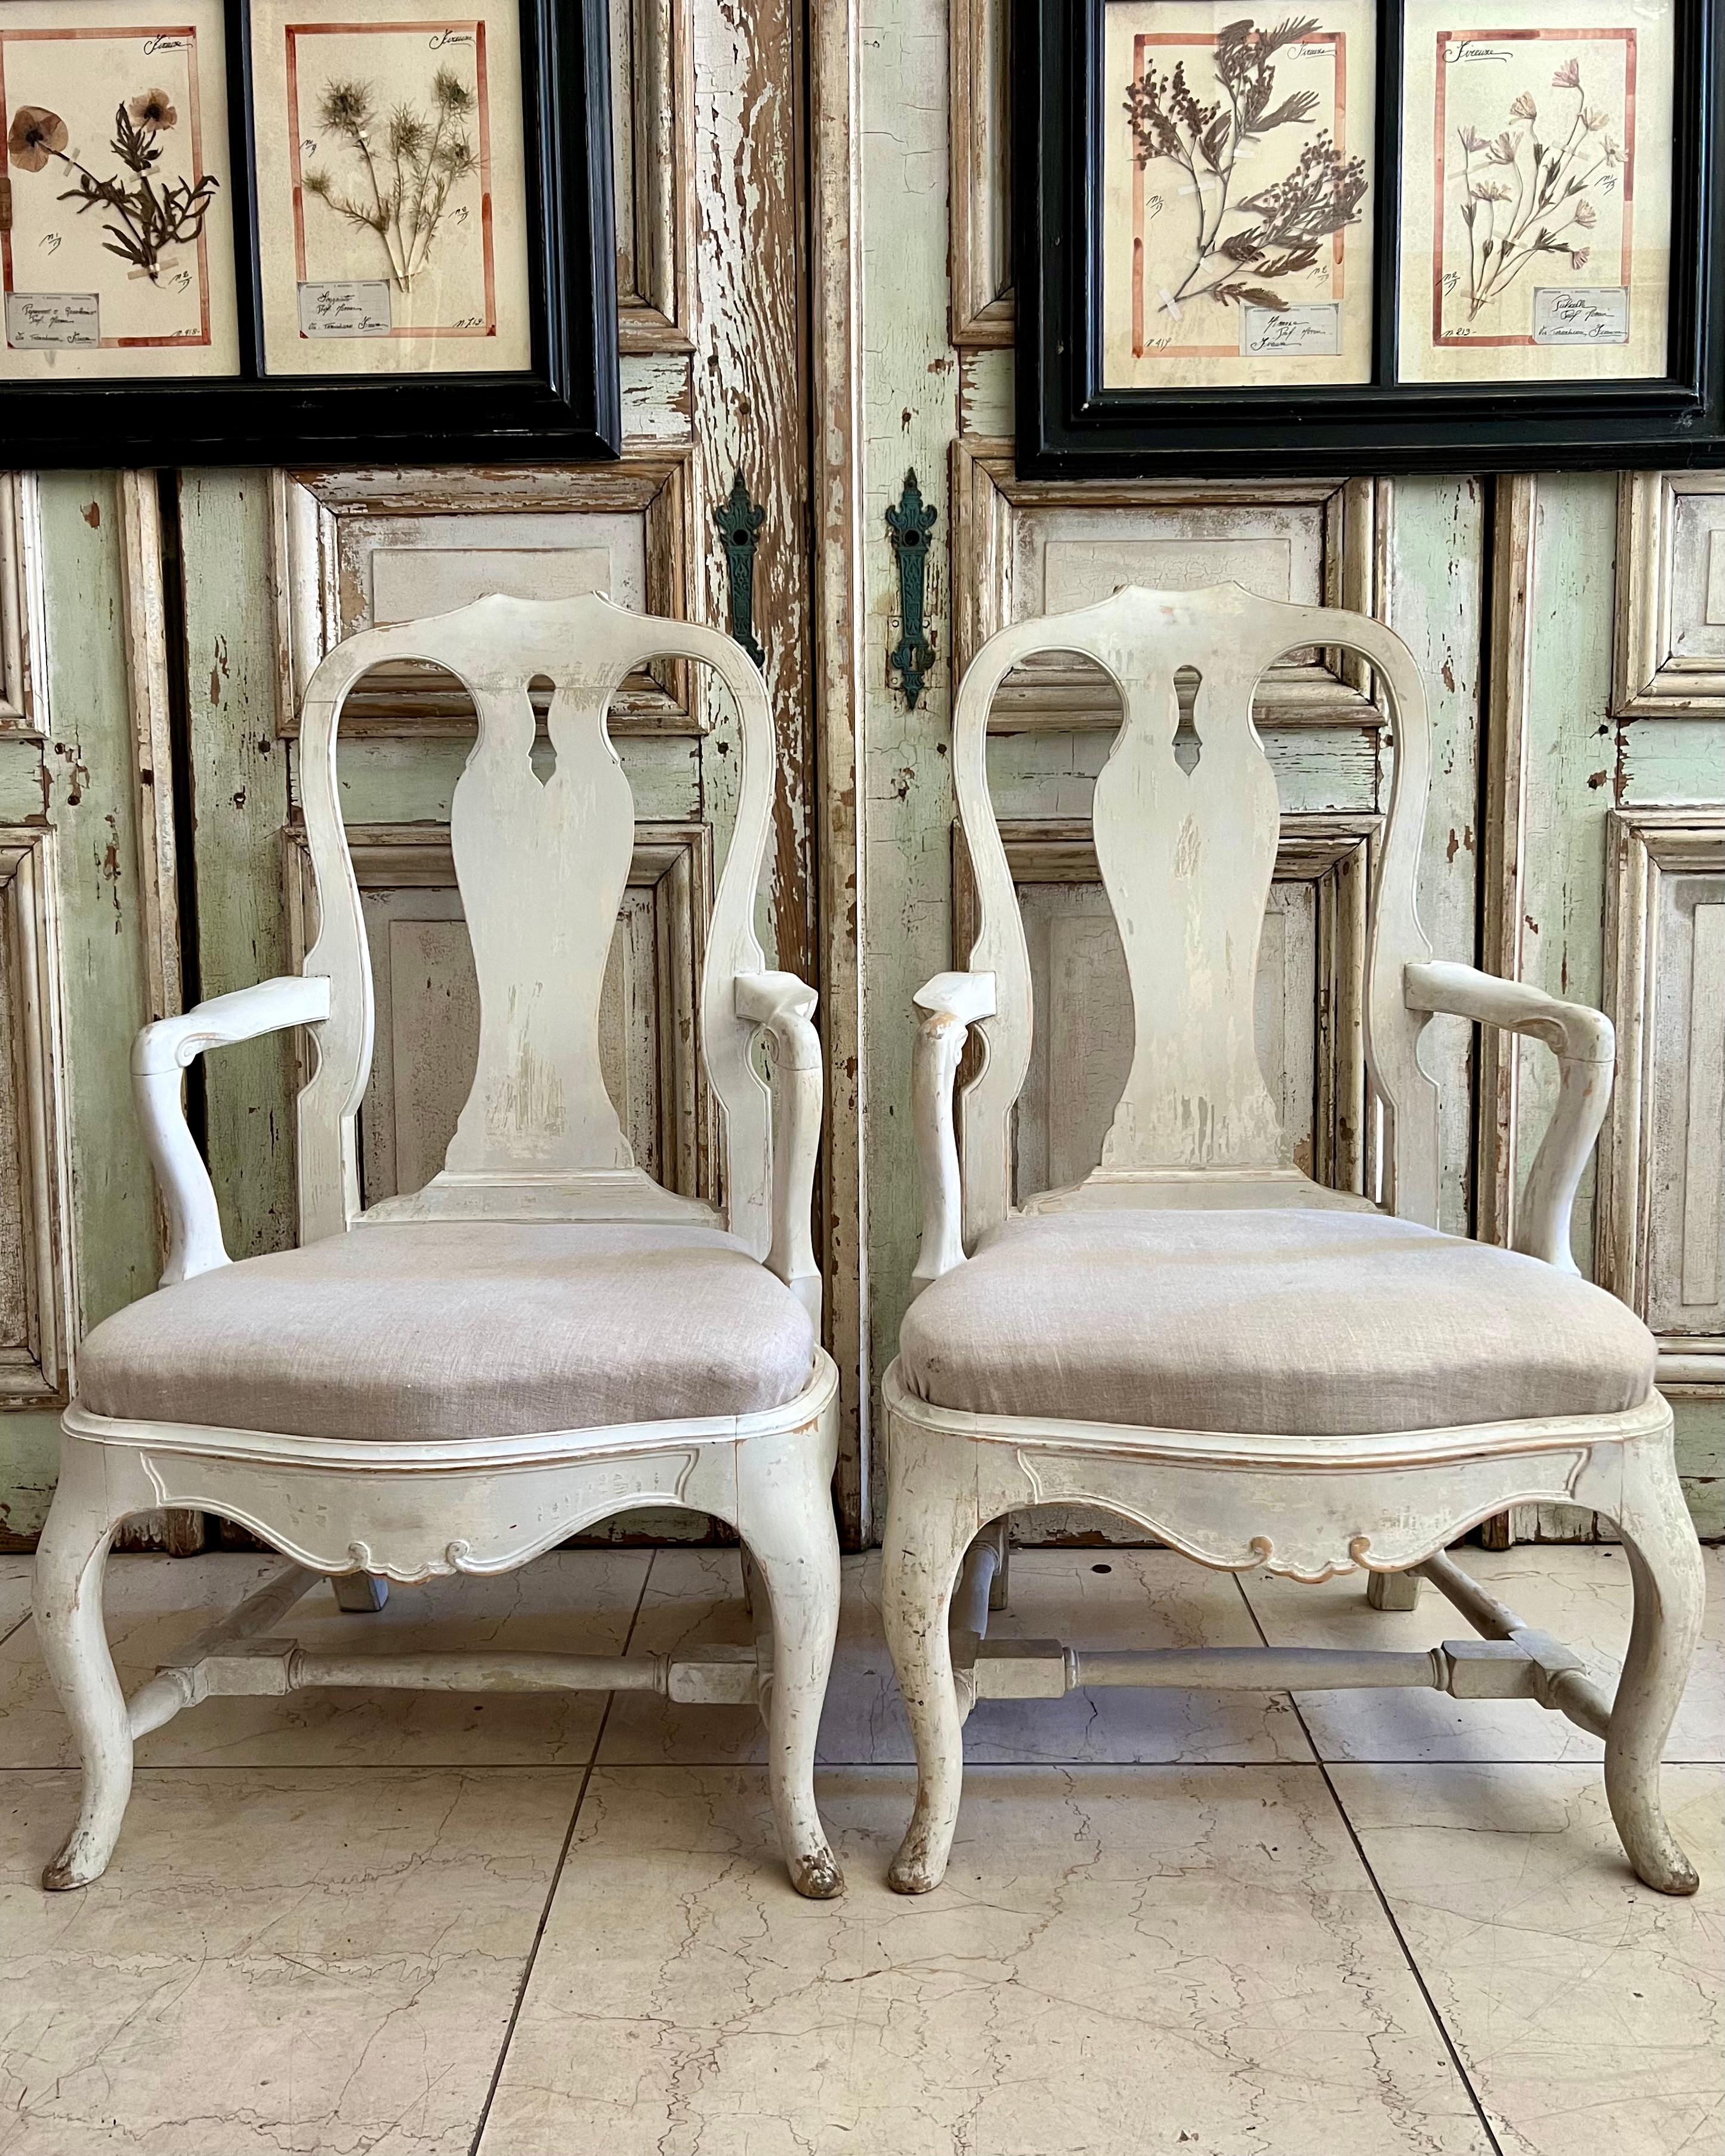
(1027, 547)
(356, 550)
(1309, 1008)
(22, 645)
(652, 156)
(1669, 651)
(427, 992)
(1661, 1214)
(38, 1300)
(980, 198)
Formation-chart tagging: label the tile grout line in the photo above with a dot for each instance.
(528, 1966)
(1390, 1915)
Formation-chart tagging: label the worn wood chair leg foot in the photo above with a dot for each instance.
(925, 1543)
(68, 1601)
(1669, 1583)
(785, 1517)
(1393, 1590)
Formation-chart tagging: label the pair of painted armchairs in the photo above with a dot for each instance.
(1264, 1371)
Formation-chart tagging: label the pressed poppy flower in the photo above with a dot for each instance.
(36, 134)
(152, 108)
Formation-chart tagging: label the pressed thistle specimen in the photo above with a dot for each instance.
(1525, 197)
(1287, 222)
(153, 213)
(411, 161)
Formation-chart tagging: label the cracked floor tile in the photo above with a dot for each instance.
(1586, 2008)
(275, 1961)
(1121, 1960)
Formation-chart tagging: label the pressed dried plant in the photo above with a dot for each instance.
(1287, 222)
(1517, 207)
(153, 214)
(412, 161)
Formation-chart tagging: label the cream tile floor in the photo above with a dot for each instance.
(400, 1925)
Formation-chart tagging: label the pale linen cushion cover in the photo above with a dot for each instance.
(1297, 1323)
(475, 1329)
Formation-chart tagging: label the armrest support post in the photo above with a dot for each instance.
(784, 1007)
(1585, 1046)
(950, 1005)
(159, 1055)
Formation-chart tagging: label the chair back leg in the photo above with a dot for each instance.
(1669, 1583)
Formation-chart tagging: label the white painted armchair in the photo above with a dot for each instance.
(454, 1380)
(1200, 1338)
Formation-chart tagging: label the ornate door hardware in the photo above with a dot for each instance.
(739, 523)
(910, 524)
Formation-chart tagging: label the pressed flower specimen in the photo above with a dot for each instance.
(408, 163)
(1286, 222)
(153, 213)
(1523, 196)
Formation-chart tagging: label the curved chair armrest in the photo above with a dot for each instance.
(159, 1055)
(951, 1004)
(784, 1007)
(1585, 1046)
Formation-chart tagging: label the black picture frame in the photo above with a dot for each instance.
(1070, 427)
(567, 403)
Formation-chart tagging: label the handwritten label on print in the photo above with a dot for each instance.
(1565, 315)
(49, 321)
(1314, 326)
(345, 307)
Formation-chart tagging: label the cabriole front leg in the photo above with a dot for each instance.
(1669, 1581)
(932, 1516)
(784, 1514)
(68, 1601)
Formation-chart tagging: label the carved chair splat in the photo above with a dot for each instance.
(457, 1379)
(1201, 1339)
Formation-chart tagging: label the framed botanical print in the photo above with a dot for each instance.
(252, 230)
(1237, 199)
(117, 260)
(1387, 234)
(1537, 191)
(392, 187)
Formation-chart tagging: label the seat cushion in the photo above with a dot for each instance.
(449, 1330)
(1307, 1323)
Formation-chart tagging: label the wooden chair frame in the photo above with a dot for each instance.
(542, 866)
(1196, 1126)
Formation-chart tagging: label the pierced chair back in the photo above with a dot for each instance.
(541, 865)
(1186, 820)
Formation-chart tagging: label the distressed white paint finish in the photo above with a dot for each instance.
(1307, 1017)
(356, 550)
(1025, 547)
(1186, 861)
(1661, 1206)
(539, 1137)
(1669, 656)
(1188, 857)
(542, 854)
(23, 685)
(426, 1033)
(37, 1289)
